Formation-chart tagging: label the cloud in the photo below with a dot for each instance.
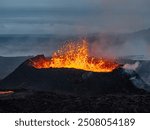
(84, 15)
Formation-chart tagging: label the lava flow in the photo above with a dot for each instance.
(75, 55)
(6, 92)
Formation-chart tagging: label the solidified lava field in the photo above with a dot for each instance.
(46, 102)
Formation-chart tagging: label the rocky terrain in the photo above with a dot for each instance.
(45, 102)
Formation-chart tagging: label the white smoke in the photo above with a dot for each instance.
(136, 79)
(131, 66)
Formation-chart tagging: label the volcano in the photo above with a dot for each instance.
(71, 70)
(70, 80)
(76, 82)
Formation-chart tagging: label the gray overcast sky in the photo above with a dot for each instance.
(44, 3)
(73, 16)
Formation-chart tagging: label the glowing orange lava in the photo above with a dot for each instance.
(75, 55)
(6, 92)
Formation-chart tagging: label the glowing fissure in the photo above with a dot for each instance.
(75, 55)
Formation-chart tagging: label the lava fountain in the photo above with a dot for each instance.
(75, 55)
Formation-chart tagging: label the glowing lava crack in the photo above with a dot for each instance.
(75, 55)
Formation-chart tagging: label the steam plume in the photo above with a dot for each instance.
(131, 66)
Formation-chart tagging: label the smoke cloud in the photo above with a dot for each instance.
(114, 46)
(131, 66)
(80, 16)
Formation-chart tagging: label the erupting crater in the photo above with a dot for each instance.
(72, 70)
(75, 55)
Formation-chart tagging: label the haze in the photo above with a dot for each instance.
(73, 16)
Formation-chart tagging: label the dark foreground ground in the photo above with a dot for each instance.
(46, 102)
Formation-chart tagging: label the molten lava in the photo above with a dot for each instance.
(6, 92)
(75, 55)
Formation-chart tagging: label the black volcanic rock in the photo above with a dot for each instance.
(48, 102)
(70, 81)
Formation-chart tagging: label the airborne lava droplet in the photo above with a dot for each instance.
(75, 55)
